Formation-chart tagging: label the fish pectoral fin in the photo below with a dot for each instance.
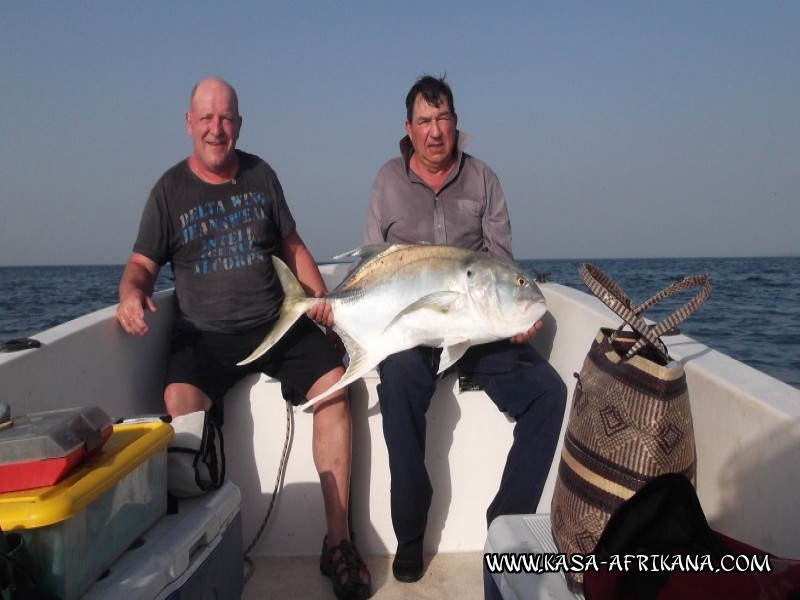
(442, 302)
(450, 354)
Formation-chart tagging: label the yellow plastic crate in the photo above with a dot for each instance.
(77, 528)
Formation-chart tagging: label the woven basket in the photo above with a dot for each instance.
(630, 419)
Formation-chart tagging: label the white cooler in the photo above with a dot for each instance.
(194, 553)
(526, 534)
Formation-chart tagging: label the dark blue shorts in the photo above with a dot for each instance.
(208, 360)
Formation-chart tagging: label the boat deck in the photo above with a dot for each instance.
(447, 575)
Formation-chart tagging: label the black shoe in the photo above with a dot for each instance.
(408, 565)
(344, 565)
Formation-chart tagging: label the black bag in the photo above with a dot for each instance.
(196, 456)
(664, 518)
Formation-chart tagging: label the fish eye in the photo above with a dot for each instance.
(521, 281)
(469, 272)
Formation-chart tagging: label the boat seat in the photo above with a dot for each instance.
(526, 534)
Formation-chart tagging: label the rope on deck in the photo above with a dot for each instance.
(278, 482)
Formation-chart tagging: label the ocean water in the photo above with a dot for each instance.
(33, 299)
(753, 313)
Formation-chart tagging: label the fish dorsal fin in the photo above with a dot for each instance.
(450, 354)
(369, 250)
(363, 252)
(370, 260)
(442, 302)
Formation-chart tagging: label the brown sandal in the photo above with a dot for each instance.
(344, 565)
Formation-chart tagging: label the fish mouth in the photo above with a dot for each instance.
(526, 304)
(533, 305)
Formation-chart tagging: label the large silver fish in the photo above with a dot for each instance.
(408, 295)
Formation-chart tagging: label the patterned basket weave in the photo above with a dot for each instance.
(630, 419)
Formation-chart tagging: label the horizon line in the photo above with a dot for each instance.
(581, 258)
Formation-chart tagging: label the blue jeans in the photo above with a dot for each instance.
(518, 380)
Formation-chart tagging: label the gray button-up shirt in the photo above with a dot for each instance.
(468, 211)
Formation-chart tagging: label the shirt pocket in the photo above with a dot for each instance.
(469, 208)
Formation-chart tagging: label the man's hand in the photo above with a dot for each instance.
(524, 338)
(130, 312)
(135, 288)
(321, 312)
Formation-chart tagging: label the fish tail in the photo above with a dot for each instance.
(295, 304)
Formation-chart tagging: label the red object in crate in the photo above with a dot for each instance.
(40, 449)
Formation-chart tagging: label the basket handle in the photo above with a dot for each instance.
(612, 296)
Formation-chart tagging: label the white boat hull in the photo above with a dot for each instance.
(747, 428)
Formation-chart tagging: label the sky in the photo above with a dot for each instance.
(617, 129)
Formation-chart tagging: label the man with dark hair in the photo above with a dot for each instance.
(436, 193)
(217, 218)
(434, 91)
